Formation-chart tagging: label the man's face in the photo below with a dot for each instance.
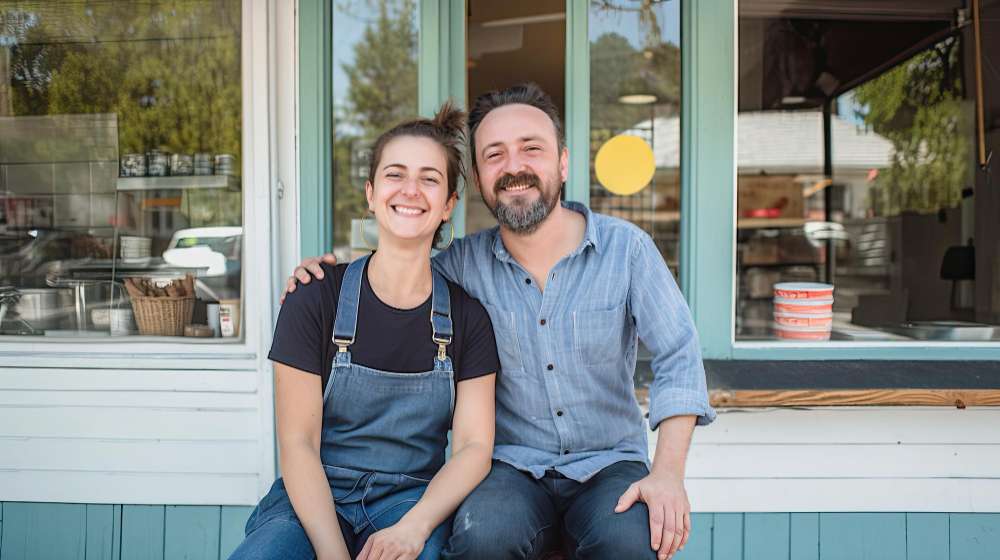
(519, 166)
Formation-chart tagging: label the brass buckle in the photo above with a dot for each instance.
(442, 347)
(342, 344)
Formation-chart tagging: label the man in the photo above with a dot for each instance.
(569, 293)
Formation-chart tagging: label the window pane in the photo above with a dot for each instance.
(858, 172)
(120, 152)
(375, 47)
(510, 43)
(635, 85)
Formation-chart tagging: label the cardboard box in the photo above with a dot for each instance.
(780, 194)
(761, 250)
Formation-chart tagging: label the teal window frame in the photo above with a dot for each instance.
(708, 161)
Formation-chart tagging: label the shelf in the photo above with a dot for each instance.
(769, 223)
(780, 264)
(179, 183)
(665, 216)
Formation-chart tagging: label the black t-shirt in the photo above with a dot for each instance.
(387, 339)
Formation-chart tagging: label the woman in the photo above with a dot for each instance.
(367, 387)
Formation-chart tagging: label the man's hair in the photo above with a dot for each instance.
(522, 94)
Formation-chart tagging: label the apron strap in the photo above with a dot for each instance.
(345, 326)
(441, 315)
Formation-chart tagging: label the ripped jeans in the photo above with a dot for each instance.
(513, 515)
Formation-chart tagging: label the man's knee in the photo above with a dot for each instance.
(478, 533)
(618, 535)
(489, 526)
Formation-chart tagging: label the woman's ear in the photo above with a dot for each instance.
(449, 206)
(370, 195)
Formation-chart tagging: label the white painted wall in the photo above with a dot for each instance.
(934, 459)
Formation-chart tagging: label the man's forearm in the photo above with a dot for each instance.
(672, 442)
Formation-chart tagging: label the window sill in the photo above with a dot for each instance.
(758, 383)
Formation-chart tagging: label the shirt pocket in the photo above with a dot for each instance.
(505, 332)
(597, 335)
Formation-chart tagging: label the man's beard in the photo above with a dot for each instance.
(523, 218)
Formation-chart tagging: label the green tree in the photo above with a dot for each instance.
(381, 92)
(918, 107)
(170, 71)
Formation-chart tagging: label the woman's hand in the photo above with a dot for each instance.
(304, 273)
(402, 541)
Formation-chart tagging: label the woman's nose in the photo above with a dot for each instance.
(410, 187)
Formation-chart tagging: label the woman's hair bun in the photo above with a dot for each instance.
(450, 120)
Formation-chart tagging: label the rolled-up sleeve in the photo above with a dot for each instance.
(665, 326)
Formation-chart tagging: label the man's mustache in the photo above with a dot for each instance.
(523, 178)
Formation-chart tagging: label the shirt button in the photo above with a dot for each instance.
(527, 280)
(542, 322)
(559, 413)
(550, 367)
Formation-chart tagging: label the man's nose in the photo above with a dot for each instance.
(513, 165)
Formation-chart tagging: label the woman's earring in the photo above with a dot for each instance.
(364, 230)
(451, 239)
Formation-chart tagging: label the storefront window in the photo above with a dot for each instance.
(510, 43)
(635, 89)
(865, 210)
(375, 49)
(120, 190)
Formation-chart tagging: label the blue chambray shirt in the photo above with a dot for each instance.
(565, 395)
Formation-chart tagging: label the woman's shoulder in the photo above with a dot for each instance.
(317, 290)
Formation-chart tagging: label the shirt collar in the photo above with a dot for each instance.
(591, 235)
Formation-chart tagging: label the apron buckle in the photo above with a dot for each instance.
(342, 344)
(442, 343)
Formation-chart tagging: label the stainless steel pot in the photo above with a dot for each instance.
(47, 308)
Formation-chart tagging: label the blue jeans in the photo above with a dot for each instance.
(273, 531)
(513, 515)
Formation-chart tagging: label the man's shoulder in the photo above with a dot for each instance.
(615, 231)
(474, 245)
(479, 239)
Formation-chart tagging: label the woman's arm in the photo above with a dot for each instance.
(300, 423)
(471, 458)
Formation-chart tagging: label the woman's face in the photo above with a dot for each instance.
(410, 194)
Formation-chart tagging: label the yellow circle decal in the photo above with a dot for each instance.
(625, 164)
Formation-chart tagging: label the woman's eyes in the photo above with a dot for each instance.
(395, 175)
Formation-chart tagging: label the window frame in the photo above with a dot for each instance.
(148, 352)
(710, 75)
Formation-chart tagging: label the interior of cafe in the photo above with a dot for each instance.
(864, 145)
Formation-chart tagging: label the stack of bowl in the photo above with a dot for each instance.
(135, 247)
(803, 310)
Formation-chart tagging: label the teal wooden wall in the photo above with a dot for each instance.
(30, 531)
(106, 532)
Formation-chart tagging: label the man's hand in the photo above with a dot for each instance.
(305, 271)
(669, 511)
(401, 541)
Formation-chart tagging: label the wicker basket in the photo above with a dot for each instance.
(163, 316)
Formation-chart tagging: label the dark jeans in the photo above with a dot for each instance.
(513, 515)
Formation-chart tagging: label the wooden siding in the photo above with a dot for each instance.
(846, 459)
(105, 436)
(114, 532)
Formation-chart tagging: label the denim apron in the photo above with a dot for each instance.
(384, 433)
